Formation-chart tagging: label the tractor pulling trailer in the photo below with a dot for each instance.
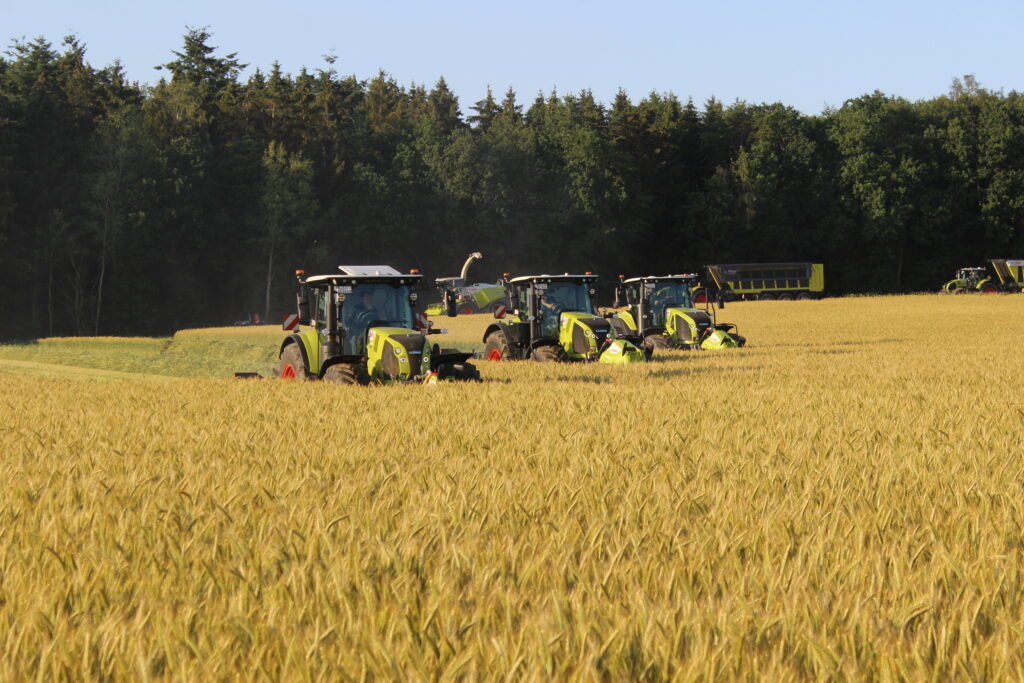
(1009, 278)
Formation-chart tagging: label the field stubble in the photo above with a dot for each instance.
(843, 498)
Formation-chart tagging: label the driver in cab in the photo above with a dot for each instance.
(363, 314)
(550, 309)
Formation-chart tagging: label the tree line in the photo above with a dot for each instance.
(137, 209)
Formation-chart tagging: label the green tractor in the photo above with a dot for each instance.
(1009, 278)
(551, 318)
(363, 328)
(661, 312)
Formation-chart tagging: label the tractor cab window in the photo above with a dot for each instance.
(559, 297)
(569, 296)
(633, 294)
(373, 305)
(666, 295)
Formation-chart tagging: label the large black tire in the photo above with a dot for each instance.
(347, 373)
(804, 296)
(292, 366)
(766, 296)
(496, 346)
(656, 341)
(549, 353)
(785, 296)
(459, 372)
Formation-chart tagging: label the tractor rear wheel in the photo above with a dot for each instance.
(549, 353)
(989, 288)
(292, 366)
(700, 296)
(656, 341)
(347, 373)
(496, 346)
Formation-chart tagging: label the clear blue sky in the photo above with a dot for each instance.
(803, 53)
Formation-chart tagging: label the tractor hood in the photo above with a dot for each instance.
(396, 353)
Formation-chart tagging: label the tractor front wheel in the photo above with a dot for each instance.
(347, 373)
(549, 353)
(496, 346)
(292, 366)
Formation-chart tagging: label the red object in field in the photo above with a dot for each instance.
(421, 321)
(290, 322)
(500, 310)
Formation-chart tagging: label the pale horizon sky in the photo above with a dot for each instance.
(809, 55)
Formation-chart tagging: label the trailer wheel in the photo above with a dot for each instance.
(766, 296)
(347, 373)
(292, 366)
(804, 296)
(785, 296)
(496, 346)
(549, 353)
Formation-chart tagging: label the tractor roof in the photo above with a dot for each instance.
(662, 278)
(352, 275)
(368, 270)
(564, 277)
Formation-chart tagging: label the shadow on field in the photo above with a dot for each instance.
(865, 342)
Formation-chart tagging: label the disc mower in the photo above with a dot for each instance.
(363, 327)
(661, 312)
(551, 318)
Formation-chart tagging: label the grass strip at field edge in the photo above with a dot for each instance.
(24, 367)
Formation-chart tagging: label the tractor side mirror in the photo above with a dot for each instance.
(302, 304)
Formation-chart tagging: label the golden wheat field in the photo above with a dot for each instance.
(842, 499)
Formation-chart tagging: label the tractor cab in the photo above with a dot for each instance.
(362, 327)
(552, 318)
(972, 276)
(660, 310)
